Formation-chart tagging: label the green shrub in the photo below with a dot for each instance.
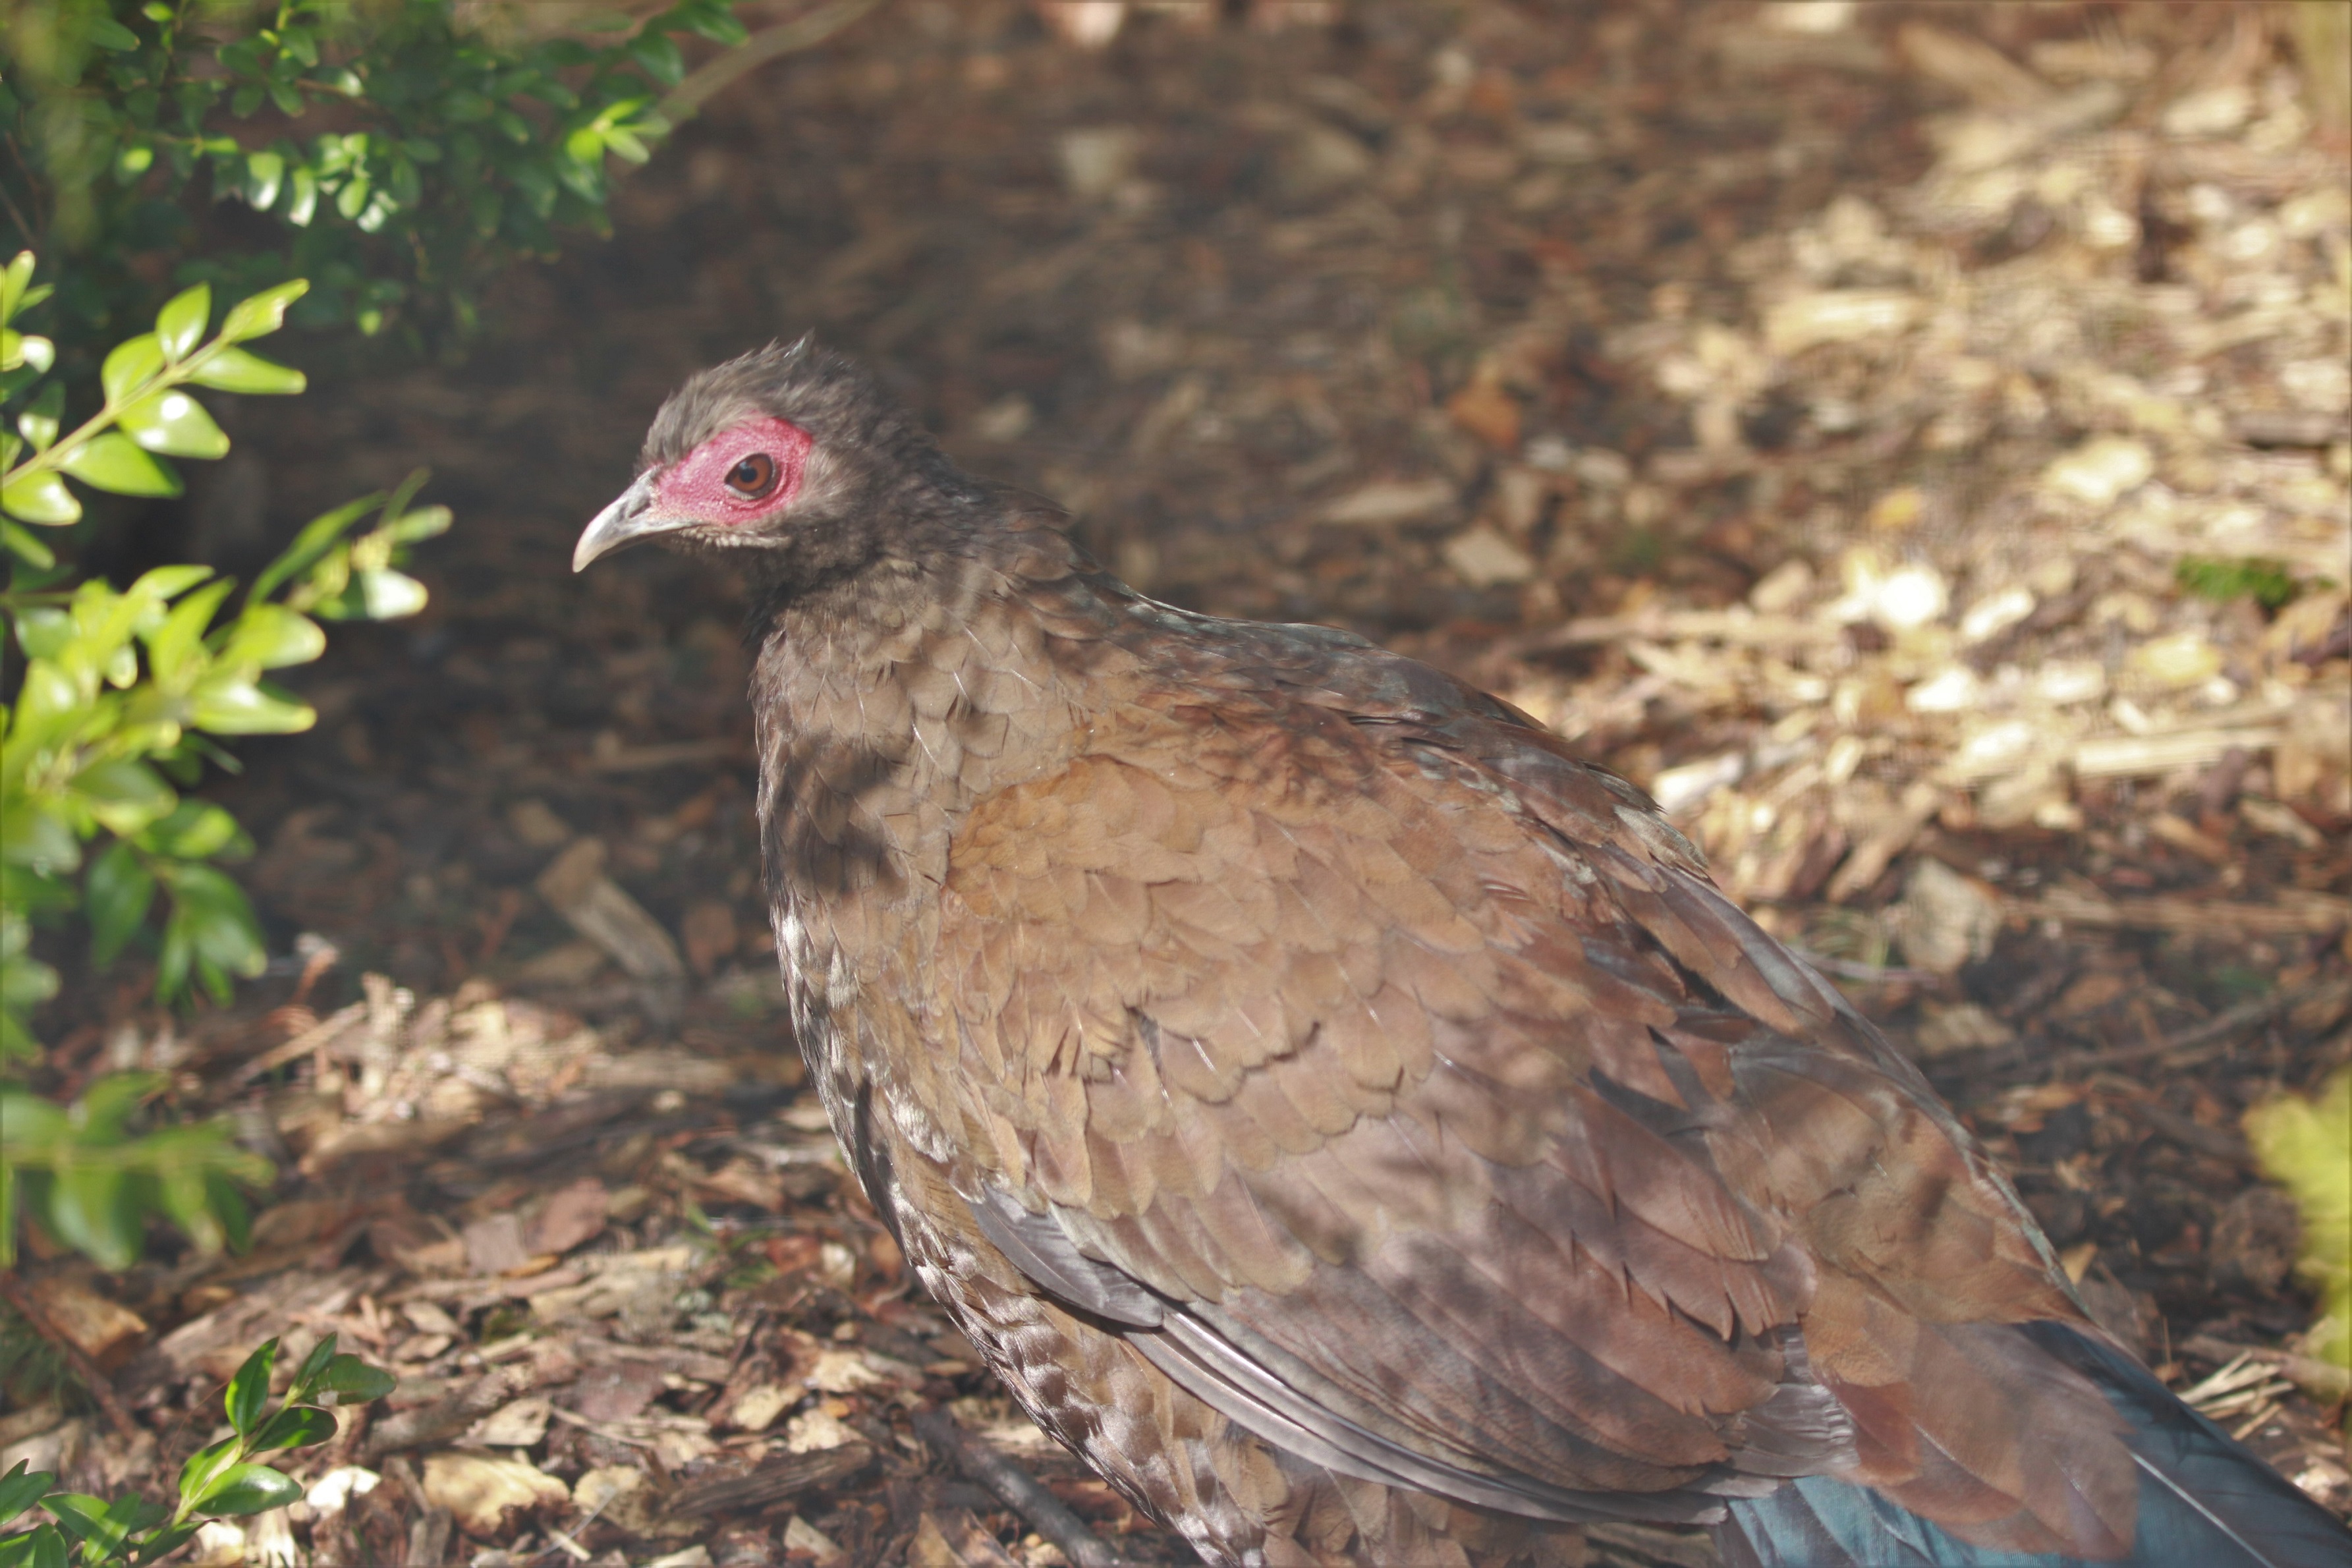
(2300, 1144)
(116, 702)
(223, 1481)
(2268, 584)
(398, 156)
(394, 157)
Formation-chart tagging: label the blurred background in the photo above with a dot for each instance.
(1909, 440)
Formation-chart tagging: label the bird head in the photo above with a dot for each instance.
(792, 452)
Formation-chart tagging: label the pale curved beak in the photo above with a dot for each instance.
(627, 521)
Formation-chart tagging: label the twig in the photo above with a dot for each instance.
(301, 1045)
(568, 1541)
(2207, 1038)
(610, 1434)
(772, 43)
(19, 1296)
(1019, 1491)
(431, 1422)
(2300, 914)
(2324, 1381)
(772, 1483)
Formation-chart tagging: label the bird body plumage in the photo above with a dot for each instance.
(1355, 1125)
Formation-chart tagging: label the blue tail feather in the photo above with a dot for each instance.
(2204, 1501)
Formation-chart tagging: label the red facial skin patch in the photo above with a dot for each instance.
(697, 486)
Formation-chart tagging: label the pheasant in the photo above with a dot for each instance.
(1354, 1125)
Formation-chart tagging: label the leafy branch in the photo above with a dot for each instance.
(141, 379)
(120, 694)
(223, 1481)
(399, 154)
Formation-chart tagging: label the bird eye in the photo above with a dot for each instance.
(753, 478)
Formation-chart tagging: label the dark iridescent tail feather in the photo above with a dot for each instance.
(2204, 1501)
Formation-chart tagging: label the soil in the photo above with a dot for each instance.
(1840, 420)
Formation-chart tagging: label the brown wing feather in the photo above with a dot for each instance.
(1360, 1025)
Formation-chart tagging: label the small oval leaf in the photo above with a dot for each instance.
(248, 1391)
(40, 498)
(231, 704)
(173, 423)
(235, 370)
(180, 324)
(296, 1427)
(248, 1488)
(22, 1487)
(274, 637)
(112, 461)
(354, 1382)
(130, 366)
(264, 314)
(388, 594)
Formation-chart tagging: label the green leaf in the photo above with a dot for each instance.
(719, 23)
(318, 534)
(274, 637)
(304, 183)
(263, 313)
(425, 522)
(235, 370)
(34, 351)
(83, 1517)
(40, 1547)
(170, 581)
(25, 547)
(109, 1103)
(166, 1542)
(211, 916)
(354, 1382)
(264, 175)
(129, 365)
(91, 1212)
(173, 423)
(206, 1466)
(14, 281)
(659, 56)
(34, 837)
(21, 1488)
(180, 324)
(38, 422)
(123, 794)
(248, 1488)
(247, 1394)
(174, 648)
(116, 896)
(229, 703)
(296, 1427)
(135, 1513)
(195, 830)
(109, 33)
(40, 498)
(313, 1367)
(387, 596)
(112, 461)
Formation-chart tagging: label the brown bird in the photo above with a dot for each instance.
(1357, 1127)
